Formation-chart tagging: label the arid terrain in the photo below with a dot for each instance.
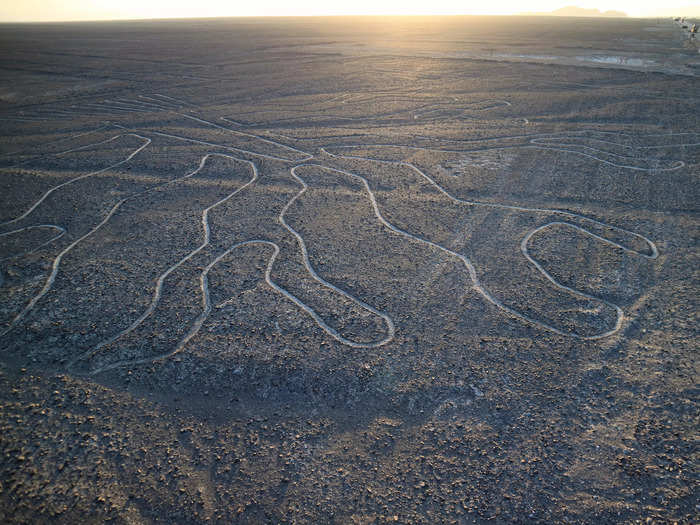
(379, 270)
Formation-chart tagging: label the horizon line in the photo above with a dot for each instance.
(544, 14)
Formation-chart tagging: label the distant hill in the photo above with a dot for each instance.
(579, 11)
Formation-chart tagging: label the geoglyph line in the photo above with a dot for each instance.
(206, 304)
(302, 245)
(234, 122)
(173, 99)
(301, 118)
(26, 119)
(250, 135)
(104, 109)
(567, 136)
(534, 138)
(161, 279)
(57, 141)
(460, 110)
(57, 261)
(532, 145)
(165, 103)
(678, 165)
(553, 141)
(50, 191)
(523, 246)
(564, 135)
(654, 251)
(548, 276)
(155, 102)
(230, 148)
(205, 291)
(425, 108)
(139, 107)
(207, 307)
(118, 106)
(61, 233)
(54, 271)
(55, 266)
(471, 270)
(140, 104)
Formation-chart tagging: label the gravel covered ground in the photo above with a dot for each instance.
(403, 270)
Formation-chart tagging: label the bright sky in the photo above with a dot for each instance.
(47, 10)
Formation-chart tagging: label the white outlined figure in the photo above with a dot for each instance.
(609, 149)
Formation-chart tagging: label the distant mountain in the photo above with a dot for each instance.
(579, 11)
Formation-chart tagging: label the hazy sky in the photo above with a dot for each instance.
(46, 10)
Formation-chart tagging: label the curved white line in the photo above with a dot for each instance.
(472, 270)
(317, 318)
(54, 271)
(549, 144)
(57, 261)
(538, 141)
(206, 303)
(556, 140)
(139, 107)
(679, 164)
(20, 152)
(116, 104)
(104, 109)
(50, 191)
(389, 323)
(161, 279)
(462, 110)
(654, 251)
(207, 307)
(234, 122)
(61, 233)
(147, 106)
(26, 119)
(543, 136)
(417, 112)
(546, 274)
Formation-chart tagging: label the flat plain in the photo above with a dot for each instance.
(349, 270)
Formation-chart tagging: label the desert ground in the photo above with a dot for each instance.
(351, 270)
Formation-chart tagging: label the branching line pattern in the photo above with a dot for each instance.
(297, 160)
